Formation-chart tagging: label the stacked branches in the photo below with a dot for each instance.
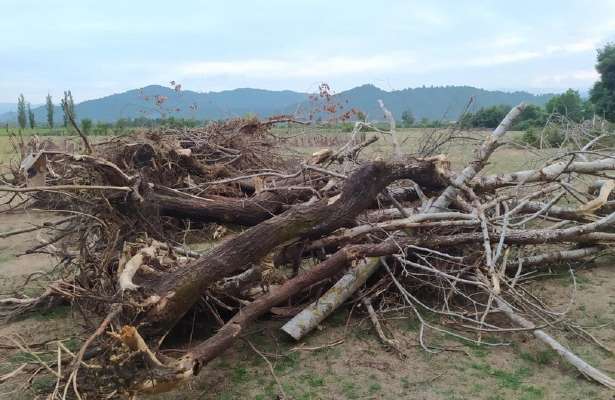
(407, 235)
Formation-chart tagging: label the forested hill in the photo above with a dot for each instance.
(158, 101)
(434, 103)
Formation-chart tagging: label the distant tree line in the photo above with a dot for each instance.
(26, 118)
(601, 103)
(25, 115)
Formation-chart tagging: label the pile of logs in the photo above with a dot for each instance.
(296, 238)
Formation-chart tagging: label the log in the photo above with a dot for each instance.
(248, 212)
(179, 291)
(164, 379)
(546, 174)
(426, 220)
(557, 256)
(315, 313)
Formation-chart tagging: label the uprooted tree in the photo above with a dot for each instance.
(403, 230)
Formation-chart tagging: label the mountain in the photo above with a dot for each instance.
(434, 103)
(155, 101)
(7, 107)
(180, 104)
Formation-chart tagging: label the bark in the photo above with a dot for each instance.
(557, 257)
(181, 289)
(547, 174)
(315, 313)
(157, 380)
(249, 211)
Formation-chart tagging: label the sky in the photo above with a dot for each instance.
(97, 48)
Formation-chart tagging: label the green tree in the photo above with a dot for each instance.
(568, 104)
(407, 118)
(602, 95)
(22, 118)
(86, 126)
(68, 107)
(31, 117)
(424, 122)
(486, 117)
(49, 106)
(466, 121)
(101, 128)
(532, 116)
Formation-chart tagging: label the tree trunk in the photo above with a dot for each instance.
(249, 211)
(181, 290)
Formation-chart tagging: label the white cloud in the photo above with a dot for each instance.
(580, 46)
(578, 78)
(510, 40)
(299, 68)
(584, 45)
(502, 58)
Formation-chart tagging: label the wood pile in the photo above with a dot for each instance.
(297, 238)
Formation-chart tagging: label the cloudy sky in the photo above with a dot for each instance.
(97, 48)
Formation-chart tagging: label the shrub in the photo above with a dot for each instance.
(86, 126)
(550, 136)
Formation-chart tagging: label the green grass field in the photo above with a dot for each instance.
(56, 131)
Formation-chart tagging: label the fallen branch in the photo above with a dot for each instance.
(315, 313)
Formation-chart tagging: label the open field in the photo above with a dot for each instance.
(56, 131)
(345, 359)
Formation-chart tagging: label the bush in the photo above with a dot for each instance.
(346, 127)
(550, 136)
(101, 129)
(531, 137)
(86, 126)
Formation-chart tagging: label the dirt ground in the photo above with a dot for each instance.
(330, 364)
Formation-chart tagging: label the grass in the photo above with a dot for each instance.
(40, 131)
(7, 152)
(5, 257)
(505, 379)
(540, 357)
(51, 314)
